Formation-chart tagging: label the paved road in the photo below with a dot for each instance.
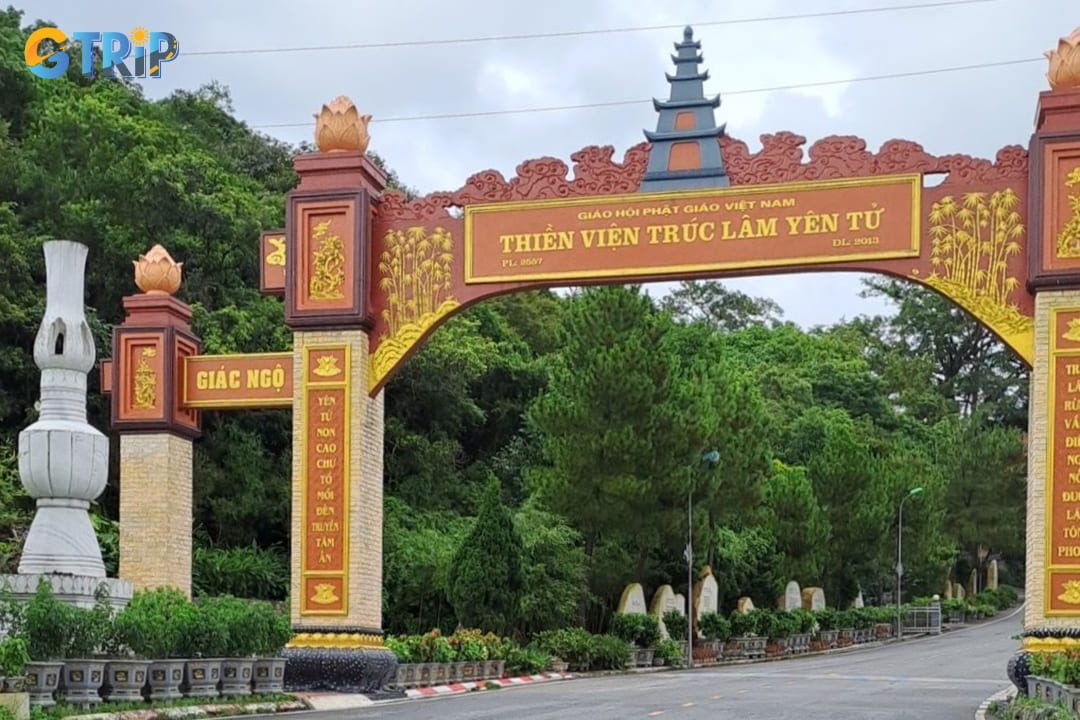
(939, 678)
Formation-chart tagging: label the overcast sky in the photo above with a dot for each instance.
(973, 112)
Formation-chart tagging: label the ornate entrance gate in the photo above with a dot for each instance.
(366, 275)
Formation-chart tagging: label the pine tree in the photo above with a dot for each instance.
(485, 580)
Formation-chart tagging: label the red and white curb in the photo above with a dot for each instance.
(453, 688)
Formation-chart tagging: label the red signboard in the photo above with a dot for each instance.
(1063, 468)
(237, 381)
(325, 487)
(702, 230)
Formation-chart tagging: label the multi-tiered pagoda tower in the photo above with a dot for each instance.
(685, 149)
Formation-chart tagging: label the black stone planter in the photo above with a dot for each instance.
(201, 678)
(125, 679)
(42, 680)
(82, 680)
(269, 675)
(236, 676)
(165, 677)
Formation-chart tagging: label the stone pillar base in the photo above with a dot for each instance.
(77, 590)
(370, 671)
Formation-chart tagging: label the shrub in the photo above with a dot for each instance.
(245, 572)
(715, 626)
(435, 648)
(1008, 595)
(400, 648)
(204, 631)
(641, 630)
(882, 614)
(47, 623)
(806, 620)
(152, 623)
(676, 624)
(12, 614)
(670, 651)
(14, 654)
(1002, 598)
(468, 645)
(953, 605)
(241, 621)
(608, 652)
(573, 645)
(779, 624)
(745, 624)
(827, 618)
(525, 661)
(273, 629)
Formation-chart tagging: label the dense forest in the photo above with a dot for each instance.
(565, 430)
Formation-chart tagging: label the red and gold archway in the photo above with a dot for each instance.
(366, 275)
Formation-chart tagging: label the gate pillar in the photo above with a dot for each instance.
(156, 433)
(336, 597)
(1052, 582)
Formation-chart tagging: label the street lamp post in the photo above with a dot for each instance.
(899, 559)
(711, 457)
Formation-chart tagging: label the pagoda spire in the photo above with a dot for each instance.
(685, 150)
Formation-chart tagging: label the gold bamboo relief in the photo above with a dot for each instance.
(972, 239)
(414, 271)
(1068, 240)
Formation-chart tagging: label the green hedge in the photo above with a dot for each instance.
(584, 651)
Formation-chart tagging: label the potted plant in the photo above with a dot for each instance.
(204, 637)
(827, 619)
(273, 632)
(84, 674)
(14, 655)
(241, 642)
(471, 654)
(640, 631)
(669, 652)
(746, 634)
(406, 670)
(676, 625)
(150, 627)
(46, 626)
(438, 655)
(497, 650)
(716, 628)
(124, 675)
(864, 621)
(774, 627)
(845, 623)
(800, 639)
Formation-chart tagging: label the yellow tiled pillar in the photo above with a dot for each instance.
(155, 511)
(363, 607)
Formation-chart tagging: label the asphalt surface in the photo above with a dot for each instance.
(938, 678)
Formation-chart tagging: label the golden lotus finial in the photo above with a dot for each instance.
(157, 273)
(1064, 72)
(339, 127)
